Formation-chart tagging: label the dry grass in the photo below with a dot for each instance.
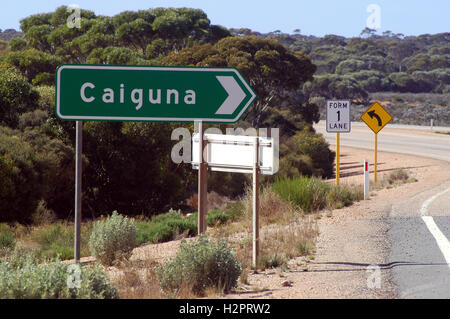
(272, 209)
(285, 233)
(394, 178)
(214, 201)
(137, 279)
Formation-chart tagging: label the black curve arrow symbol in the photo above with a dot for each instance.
(372, 114)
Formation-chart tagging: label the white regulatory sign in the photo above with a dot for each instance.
(338, 116)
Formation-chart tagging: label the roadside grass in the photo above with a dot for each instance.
(313, 194)
(48, 241)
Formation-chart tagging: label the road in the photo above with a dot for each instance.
(407, 141)
(419, 224)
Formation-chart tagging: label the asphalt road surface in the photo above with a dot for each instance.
(419, 225)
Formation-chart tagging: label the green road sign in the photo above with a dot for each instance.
(149, 93)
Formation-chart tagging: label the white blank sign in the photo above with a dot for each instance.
(235, 153)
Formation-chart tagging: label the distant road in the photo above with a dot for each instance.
(414, 140)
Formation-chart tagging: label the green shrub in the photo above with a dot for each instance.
(113, 238)
(21, 277)
(306, 153)
(340, 196)
(165, 227)
(308, 194)
(217, 217)
(213, 218)
(235, 211)
(201, 264)
(6, 236)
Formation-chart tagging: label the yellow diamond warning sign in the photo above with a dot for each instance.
(376, 117)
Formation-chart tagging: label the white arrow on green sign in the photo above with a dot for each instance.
(149, 93)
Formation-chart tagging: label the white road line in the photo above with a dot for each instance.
(442, 241)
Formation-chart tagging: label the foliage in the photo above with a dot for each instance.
(33, 63)
(202, 263)
(270, 68)
(306, 153)
(165, 227)
(9, 34)
(124, 172)
(22, 169)
(113, 238)
(16, 95)
(333, 86)
(55, 240)
(128, 34)
(22, 278)
(7, 239)
(115, 55)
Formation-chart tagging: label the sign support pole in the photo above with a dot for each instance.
(375, 163)
(337, 158)
(78, 175)
(202, 182)
(255, 217)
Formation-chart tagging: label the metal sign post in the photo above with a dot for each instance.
(338, 157)
(376, 117)
(78, 189)
(338, 121)
(255, 205)
(375, 159)
(202, 182)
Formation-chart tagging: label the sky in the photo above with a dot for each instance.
(313, 17)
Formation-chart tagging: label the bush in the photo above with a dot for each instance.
(308, 194)
(165, 227)
(399, 175)
(20, 167)
(306, 153)
(113, 238)
(201, 264)
(6, 237)
(214, 217)
(340, 196)
(16, 95)
(217, 217)
(21, 277)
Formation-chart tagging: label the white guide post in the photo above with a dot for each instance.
(366, 179)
